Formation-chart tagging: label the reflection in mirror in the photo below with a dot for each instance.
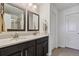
(14, 18)
(2, 27)
(33, 21)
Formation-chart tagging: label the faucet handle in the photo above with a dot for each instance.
(15, 35)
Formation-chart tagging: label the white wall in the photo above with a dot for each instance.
(44, 15)
(53, 37)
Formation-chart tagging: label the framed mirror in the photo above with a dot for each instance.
(32, 21)
(14, 18)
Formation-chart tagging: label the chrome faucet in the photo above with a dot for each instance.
(16, 35)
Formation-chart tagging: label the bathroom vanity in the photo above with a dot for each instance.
(32, 46)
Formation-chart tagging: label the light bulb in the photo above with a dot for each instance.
(34, 6)
(30, 4)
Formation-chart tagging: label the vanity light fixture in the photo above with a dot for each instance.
(32, 5)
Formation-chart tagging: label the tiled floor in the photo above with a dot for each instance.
(65, 52)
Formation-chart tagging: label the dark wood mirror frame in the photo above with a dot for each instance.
(28, 21)
(24, 27)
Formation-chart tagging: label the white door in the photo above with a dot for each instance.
(72, 30)
(53, 30)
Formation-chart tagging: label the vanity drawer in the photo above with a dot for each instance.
(9, 50)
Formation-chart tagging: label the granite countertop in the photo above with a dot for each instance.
(12, 41)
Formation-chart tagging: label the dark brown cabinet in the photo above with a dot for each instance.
(10, 50)
(37, 47)
(16, 54)
(31, 51)
(45, 48)
(39, 50)
(42, 46)
(22, 49)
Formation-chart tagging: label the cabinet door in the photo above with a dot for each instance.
(30, 51)
(16, 54)
(39, 50)
(45, 48)
(7, 51)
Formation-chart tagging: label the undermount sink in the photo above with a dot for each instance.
(10, 41)
(13, 39)
(25, 37)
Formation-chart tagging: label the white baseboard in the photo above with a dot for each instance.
(50, 54)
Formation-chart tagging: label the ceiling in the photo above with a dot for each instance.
(23, 5)
(9, 9)
(20, 5)
(59, 6)
(63, 6)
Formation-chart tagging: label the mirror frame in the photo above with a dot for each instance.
(24, 27)
(28, 21)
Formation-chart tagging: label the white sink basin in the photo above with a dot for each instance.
(25, 37)
(11, 41)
